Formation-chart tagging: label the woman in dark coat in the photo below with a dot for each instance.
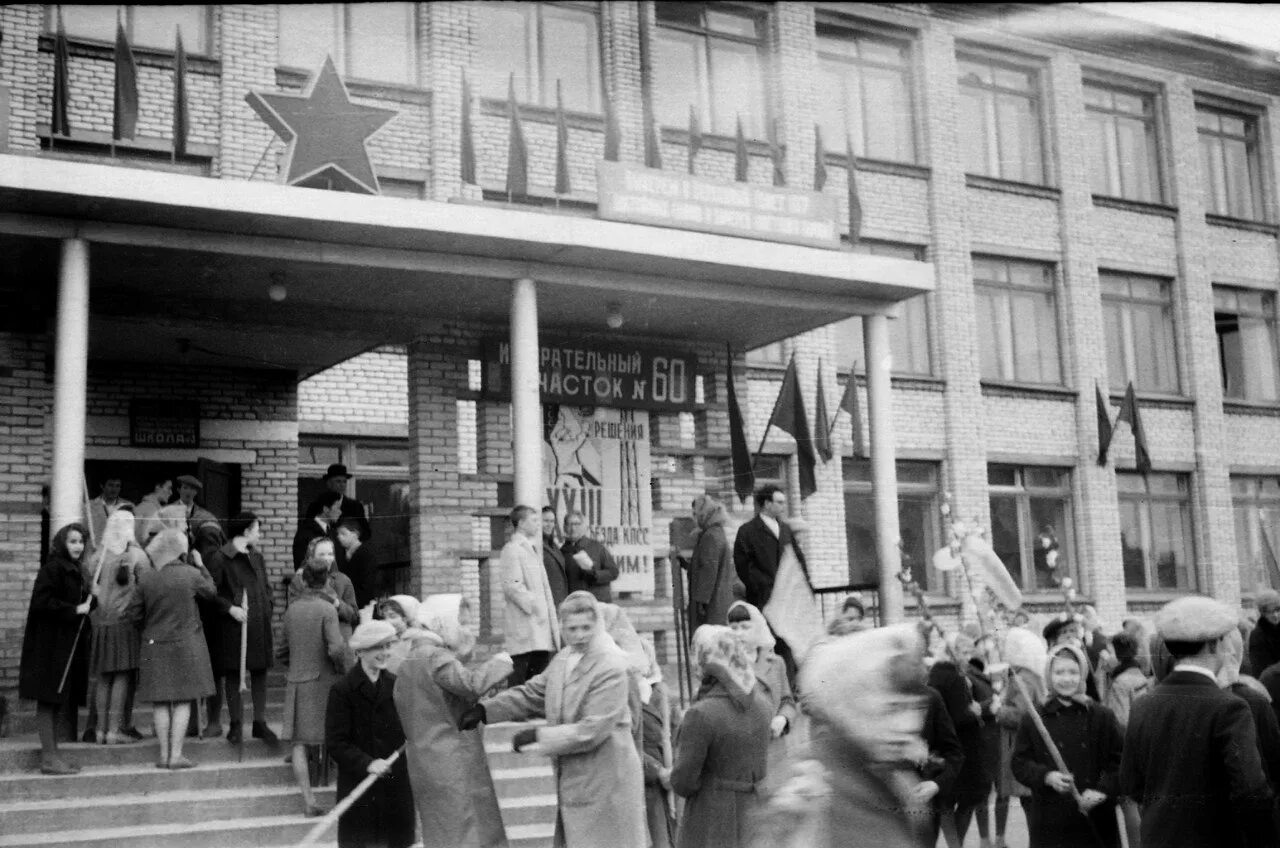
(237, 568)
(1264, 641)
(59, 602)
(722, 751)
(973, 782)
(362, 730)
(711, 572)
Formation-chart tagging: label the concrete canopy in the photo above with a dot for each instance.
(183, 264)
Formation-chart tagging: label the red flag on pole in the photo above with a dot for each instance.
(1105, 430)
(59, 124)
(821, 422)
(819, 160)
(855, 203)
(849, 403)
(695, 135)
(776, 157)
(125, 123)
(468, 144)
(1129, 412)
(517, 152)
(789, 416)
(652, 144)
(741, 160)
(181, 117)
(744, 478)
(562, 145)
(612, 134)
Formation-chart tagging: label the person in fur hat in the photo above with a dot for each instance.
(1026, 654)
(1088, 738)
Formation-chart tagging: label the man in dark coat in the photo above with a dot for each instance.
(588, 563)
(335, 480)
(552, 558)
(757, 550)
(1190, 752)
(322, 524)
(358, 562)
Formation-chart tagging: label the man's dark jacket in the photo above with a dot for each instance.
(756, 552)
(557, 576)
(595, 580)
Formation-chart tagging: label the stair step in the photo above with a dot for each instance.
(156, 808)
(221, 833)
(22, 754)
(528, 809)
(519, 782)
(106, 781)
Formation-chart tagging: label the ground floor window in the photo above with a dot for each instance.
(1255, 507)
(1155, 530)
(1031, 527)
(919, 521)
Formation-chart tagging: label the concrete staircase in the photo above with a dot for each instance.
(234, 797)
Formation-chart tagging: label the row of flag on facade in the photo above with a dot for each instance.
(1128, 413)
(789, 416)
(124, 122)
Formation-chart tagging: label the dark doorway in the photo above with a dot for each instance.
(221, 494)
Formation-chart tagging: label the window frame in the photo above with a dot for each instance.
(852, 326)
(1268, 315)
(1006, 289)
(1156, 145)
(535, 71)
(706, 87)
(341, 50)
(1128, 344)
(1255, 161)
(934, 581)
(1251, 505)
(828, 30)
(204, 50)
(1023, 493)
(1019, 63)
(1144, 501)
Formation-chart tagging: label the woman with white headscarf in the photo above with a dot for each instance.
(452, 787)
(721, 754)
(749, 625)
(114, 651)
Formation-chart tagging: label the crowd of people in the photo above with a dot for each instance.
(1160, 733)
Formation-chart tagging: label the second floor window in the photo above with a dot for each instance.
(1017, 321)
(908, 334)
(867, 82)
(1245, 323)
(540, 43)
(145, 25)
(1232, 171)
(1125, 152)
(368, 41)
(1155, 531)
(919, 521)
(709, 56)
(1138, 324)
(1255, 506)
(1031, 528)
(1000, 120)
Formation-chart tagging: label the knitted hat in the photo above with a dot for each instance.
(371, 635)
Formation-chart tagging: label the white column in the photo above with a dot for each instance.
(884, 475)
(70, 385)
(526, 406)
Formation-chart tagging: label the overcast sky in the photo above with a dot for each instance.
(1246, 23)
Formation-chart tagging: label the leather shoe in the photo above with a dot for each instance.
(261, 731)
(181, 763)
(314, 811)
(133, 733)
(213, 731)
(90, 735)
(58, 767)
(236, 734)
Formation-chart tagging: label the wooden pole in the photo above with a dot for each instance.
(244, 642)
(332, 817)
(667, 758)
(1060, 763)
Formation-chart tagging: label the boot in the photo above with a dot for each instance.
(236, 734)
(213, 731)
(261, 731)
(57, 766)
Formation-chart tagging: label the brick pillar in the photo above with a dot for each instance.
(448, 50)
(248, 50)
(20, 68)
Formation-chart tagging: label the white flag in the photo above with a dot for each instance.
(792, 610)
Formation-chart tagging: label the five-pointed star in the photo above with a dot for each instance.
(326, 132)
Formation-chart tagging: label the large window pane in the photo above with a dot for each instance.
(710, 58)
(1138, 313)
(1031, 523)
(678, 78)
(908, 334)
(380, 41)
(918, 519)
(96, 22)
(1000, 121)
(571, 54)
(308, 33)
(1125, 158)
(154, 26)
(502, 48)
(868, 80)
(1005, 539)
(1132, 553)
(1155, 531)
(1018, 339)
(1233, 181)
(735, 89)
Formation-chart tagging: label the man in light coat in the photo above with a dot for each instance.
(529, 624)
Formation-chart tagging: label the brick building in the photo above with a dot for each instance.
(1096, 203)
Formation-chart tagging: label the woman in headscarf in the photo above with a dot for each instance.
(59, 598)
(114, 655)
(1027, 655)
(722, 751)
(401, 612)
(866, 696)
(362, 731)
(658, 722)
(448, 769)
(173, 660)
(313, 647)
(771, 673)
(583, 694)
(711, 572)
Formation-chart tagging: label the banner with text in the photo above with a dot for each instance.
(596, 461)
(668, 199)
(587, 374)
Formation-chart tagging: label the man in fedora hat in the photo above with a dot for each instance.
(335, 480)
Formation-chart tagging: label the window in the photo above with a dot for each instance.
(1233, 175)
(1138, 323)
(1125, 158)
(866, 80)
(1031, 528)
(1255, 506)
(908, 334)
(709, 57)
(1155, 531)
(1000, 120)
(1245, 321)
(1017, 321)
(368, 41)
(540, 43)
(147, 26)
(919, 520)
(380, 481)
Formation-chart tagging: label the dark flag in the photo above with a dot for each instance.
(775, 156)
(58, 122)
(1105, 430)
(181, 118)
(468, 144)
(849, 403)
(819, 160)
(1129, 412)
(125, 124)
(695, 135)
(517, 152)
(1273, 563)
(612, 134)
(789, 416)
(744, 478)
(855, 204)
(562, 145)
(821, 422)
(740, 158)
(652, 144)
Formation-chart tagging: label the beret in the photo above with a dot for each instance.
(1267, 599)
(372, 634)
(1195, 618)
(188, 480)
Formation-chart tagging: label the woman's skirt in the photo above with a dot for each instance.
(304, 708)
(174, 671)
(115, 648)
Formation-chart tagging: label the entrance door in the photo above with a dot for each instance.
(221, 480)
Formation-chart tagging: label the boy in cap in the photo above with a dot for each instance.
(1190, 755)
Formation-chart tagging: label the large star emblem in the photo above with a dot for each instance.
(327, 134)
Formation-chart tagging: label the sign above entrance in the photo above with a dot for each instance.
(585, 374)
(666, 199)
(164, 423)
